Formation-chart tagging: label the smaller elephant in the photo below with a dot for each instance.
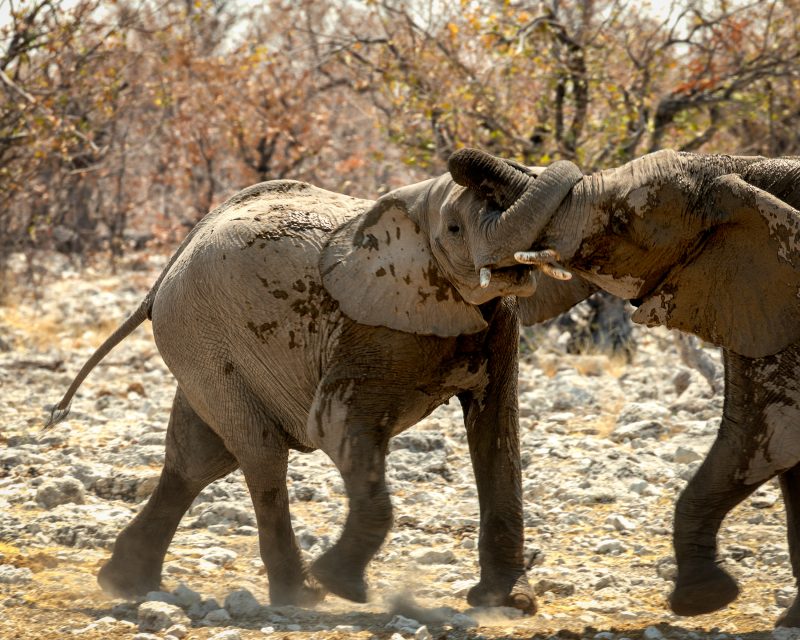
(709, 245)
(297, 318)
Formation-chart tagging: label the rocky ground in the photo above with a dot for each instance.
(607, 447)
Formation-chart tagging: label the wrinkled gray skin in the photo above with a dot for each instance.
(297, 318)
(709, 245)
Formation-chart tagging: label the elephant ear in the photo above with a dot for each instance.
(553, 297)
(741, 288)
(380, 269)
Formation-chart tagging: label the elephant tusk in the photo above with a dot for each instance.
(555, 272)
(545, 262)
(536, 257)
(485, 276)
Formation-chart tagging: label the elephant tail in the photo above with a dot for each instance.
(144, 311)
(61, 410)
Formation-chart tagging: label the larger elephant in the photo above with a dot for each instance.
(297, 318)
(709, 245)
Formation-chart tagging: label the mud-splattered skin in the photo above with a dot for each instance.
(709, 245)
(296, 318)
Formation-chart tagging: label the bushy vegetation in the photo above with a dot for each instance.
(122, 122)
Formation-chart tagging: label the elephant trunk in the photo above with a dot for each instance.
(526, 203)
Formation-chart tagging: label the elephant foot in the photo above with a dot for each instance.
(707, 589)
(520, 597)
(791, 616)
(127, 581)
(339, 579)
(309, 594)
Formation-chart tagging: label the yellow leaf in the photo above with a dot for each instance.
(453, 29)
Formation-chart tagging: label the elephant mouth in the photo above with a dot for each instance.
(519, 280)
(518, 275)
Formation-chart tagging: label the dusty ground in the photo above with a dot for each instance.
(607, 446)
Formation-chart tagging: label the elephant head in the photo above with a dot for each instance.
(412, 261)
(704, 244)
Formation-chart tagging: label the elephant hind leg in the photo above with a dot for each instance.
(195, 456)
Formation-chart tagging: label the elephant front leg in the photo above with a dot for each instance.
(361, 461)
(790, 487)
(702, 586)
(756, 441)
(494, 449)
(344, 423)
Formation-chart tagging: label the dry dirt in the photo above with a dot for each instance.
(578, 478)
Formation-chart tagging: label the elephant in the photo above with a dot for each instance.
(707, 244)
(297, 318)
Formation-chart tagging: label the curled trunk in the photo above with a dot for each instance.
(525, 203)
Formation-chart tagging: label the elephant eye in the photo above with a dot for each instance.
(453, 227)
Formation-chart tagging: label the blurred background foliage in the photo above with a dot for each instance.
(122, 122)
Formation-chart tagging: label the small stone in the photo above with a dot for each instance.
(177, 631)
(556, 587)
(667, 569)
(642, 411)
(156, 616)
(785, 597)
(463, 621)
(621, 523)
(9, 574)
(639, 486)
(396, 636)
(217, 617)
(423, 634)
(228, 634)
(433, 556)
(201, 609)
(786, 633)
(186, 597)
(461, 587)
(604, 635)
(403, 624)
(220, 557)
(347, 628)
(684, 455)
(605, 581)
(636, 431)
(246, 530)
(652, 633)
(267, 630)
(610, 546)
(242, 604)
(764, 501)
(52, 493)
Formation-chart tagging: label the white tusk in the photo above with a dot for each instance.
(536, 257)
(485, 276)
(555, 272)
